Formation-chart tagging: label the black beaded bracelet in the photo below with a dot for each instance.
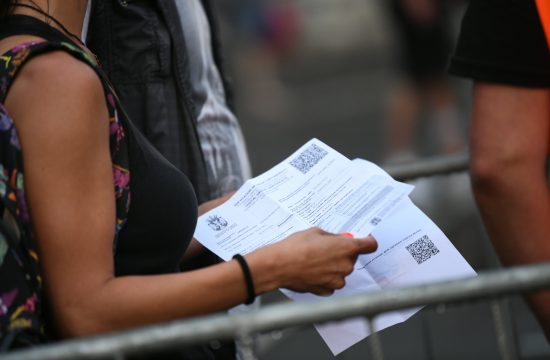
(247, 279)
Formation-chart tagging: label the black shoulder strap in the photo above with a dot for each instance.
(28, 25)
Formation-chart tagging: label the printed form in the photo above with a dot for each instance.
(317, 186)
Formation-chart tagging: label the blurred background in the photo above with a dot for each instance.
(368, 77)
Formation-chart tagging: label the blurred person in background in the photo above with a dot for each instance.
(165, 58)
(502, 47)
(423, 31)
(269, 32)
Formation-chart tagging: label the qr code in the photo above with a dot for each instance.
(422, 249)
(308, 158)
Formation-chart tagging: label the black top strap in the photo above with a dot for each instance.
(28, 25)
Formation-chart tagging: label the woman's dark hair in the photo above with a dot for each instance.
(6, 6)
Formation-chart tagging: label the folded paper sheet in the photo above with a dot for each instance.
(317, 186)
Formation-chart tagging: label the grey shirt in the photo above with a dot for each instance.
(219, 132)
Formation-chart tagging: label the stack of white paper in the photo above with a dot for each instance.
(317, 186)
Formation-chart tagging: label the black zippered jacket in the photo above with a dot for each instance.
(141, 47)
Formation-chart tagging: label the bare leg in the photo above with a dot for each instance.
(509, 138)
(405, 107)
(445, 116)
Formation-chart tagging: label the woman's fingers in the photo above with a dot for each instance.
(324, 292)
(366, 245)
(318, 261)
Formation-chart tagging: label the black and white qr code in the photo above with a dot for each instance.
(422, 249)
(308, 158)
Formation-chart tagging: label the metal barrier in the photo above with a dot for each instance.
(489, 285)
(185, 332)
(439, 165)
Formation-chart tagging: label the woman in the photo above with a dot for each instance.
(102, 274)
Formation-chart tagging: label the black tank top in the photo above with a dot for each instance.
(163, 208)
(162, 215)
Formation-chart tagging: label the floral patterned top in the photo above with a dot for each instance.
(21, 301)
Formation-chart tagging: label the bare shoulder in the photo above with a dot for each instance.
(61, 95)
(57, 72)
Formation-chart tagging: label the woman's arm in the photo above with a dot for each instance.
(61, 116)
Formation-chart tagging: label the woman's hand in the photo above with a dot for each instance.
(313, 260)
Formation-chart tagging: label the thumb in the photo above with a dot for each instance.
(366, 245)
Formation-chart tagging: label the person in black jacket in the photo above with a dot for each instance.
(164, 58)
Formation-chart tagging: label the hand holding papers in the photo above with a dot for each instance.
(318, 187)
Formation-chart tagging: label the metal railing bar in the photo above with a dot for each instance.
(222, 326)
(246, 342)
(375, 344)
(439, 165)
(504, 339)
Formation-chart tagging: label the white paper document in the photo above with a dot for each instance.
(317, 186)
